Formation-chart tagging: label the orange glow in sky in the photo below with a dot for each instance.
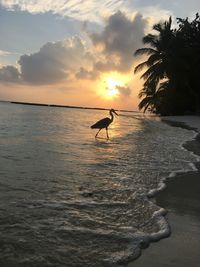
(80, 66)
(109, 83)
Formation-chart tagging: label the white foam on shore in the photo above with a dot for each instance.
(193, 122)
(190, 121)
(159, 216)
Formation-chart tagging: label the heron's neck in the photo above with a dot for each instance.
(111, 116)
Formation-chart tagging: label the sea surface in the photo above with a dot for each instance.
(67, 199)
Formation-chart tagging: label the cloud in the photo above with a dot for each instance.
(124, 90)
(78, 9)
(167, 5)
(4, 53)
(86, 74)
(119, 39)
(65, 60)
(89, 9)
(113, 48)
(9, 74)
(54, 62)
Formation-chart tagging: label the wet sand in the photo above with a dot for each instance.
(181, 199)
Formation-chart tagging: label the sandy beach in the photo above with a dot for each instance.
(182, 201)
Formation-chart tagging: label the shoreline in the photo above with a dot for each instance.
(181, 248)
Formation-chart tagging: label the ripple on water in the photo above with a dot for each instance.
(71, 200)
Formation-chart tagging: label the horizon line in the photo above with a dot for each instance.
(62, 106)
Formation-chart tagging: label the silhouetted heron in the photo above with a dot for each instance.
(104, 123)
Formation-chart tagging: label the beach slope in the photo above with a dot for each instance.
(181, 198)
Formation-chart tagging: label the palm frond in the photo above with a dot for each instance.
(157, 66)
(143, 92)
(145, 51)
(158, 69)
(145, 103)
(150, 39)
(153, 59)
(141, 66)
(158, 27)
(154, 71)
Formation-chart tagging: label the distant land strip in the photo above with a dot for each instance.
(63, 106)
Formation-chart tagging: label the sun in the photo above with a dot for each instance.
(111, 86)
(113, 92)
(110, 83)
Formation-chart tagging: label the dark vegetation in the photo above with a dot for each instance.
(172, 68)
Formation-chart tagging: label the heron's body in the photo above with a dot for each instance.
(104, 123)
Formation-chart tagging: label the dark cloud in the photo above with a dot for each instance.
(62, 60)
(119, 39)
(9, 74)
(54, 62)
(124, 90)
(41, 69)
(85, 74)
(107, 65)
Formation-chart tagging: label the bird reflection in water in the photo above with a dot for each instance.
(104, 123)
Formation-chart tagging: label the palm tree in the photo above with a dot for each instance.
(158, 64)
(172, 67)
(152, 97)
(189, 36)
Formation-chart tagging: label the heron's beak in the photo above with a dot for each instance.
(116, 113)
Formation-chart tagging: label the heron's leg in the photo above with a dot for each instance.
(97, 133)
(107, 133)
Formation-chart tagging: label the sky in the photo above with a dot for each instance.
(78, 52)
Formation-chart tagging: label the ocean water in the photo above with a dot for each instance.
(67, 199)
